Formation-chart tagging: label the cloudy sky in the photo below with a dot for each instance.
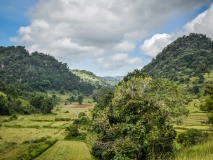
(107, 37)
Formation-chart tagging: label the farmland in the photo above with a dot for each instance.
(67, 150)
(30, 135)
(42, 136)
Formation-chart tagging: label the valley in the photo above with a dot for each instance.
(162, 111)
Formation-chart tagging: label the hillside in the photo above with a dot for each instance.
(89, 77)
(37, 71)
(187, 61)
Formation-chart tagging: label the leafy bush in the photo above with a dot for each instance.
(62, 119)
(73, 133)
(81, 114)
(82, 121)
(36, 149)
(191, 137)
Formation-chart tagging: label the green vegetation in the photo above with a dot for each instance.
(37, 71)
(98, 82)
(135, 122)
(199, 151)
(28, 136)
(187, 61)
(164, 111)
(67, 150)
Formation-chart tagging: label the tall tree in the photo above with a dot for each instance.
(135, 122)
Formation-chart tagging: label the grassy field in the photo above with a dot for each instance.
(67, 150)
(14, 134)
(18, 137)
(203, 151)
(196, 119)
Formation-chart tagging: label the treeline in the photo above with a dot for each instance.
(37, 71)
(14, 100)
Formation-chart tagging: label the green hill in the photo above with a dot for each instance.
(98, 82)
(187, 61)
(37, 71)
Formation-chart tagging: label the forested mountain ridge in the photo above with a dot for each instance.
(188, 60)
(37, 71)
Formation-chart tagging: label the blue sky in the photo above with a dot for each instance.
(13, 15)
(106, 37)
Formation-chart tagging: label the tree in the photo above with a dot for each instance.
(43, 103)
(3, 106)
(72, 131)
(208, 104)
(80, 99)
(11, 92)
(135, 122)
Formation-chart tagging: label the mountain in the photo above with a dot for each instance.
(187, 61)
(116, 78)
(37, 71)
(98, 82)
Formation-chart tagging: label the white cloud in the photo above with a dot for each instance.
(73, 29)
(203, 23)
(151, 47)
(118, 60)
(125, 46)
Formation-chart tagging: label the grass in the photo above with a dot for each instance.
(67, 150)
(14, 133)
(19, 135)
(203, 151)
(196, 119)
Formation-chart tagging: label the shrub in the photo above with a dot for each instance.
(72, 131)
(81, 114)
(191, 137)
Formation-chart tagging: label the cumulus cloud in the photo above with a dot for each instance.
(151, 47)
(73, 29)
(201, 24)
(118, 60)
(125, 46)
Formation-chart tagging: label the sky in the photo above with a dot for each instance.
(107, 37)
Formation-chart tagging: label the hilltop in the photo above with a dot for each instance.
(187, 61)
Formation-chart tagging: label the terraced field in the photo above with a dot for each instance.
(29, 135)
(67, 150)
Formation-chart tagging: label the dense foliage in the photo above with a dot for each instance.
(134, 121)
(191, 137)
(37, 71)
(186, 60)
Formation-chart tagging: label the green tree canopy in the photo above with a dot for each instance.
(135, 122)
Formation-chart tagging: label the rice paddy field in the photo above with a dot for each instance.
(18, 137)
(22, 137)
(67, 150)
(196, 119)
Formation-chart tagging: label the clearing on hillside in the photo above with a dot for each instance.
(67, 150)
